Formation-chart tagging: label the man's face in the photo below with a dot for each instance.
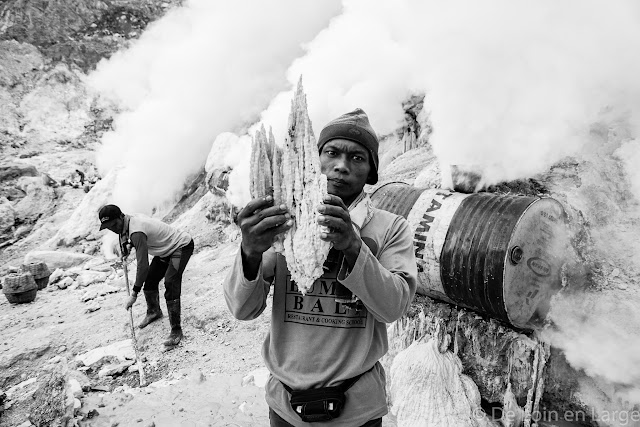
(116, 226)
(346, 165)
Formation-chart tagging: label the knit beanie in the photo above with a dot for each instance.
(354, 126)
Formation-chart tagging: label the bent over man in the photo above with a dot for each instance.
(334, 335)
(171, 249)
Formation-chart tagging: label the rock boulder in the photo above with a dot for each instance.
(100, 290)
(39, 199)
(84, 221)
(7, 214)
(21, 63)
(53, 399)
(114, 369)
(121, 350)
(89, 277)
(57, 259)
(9, 123)
(57, 274)
(58, 108)
(15, 170)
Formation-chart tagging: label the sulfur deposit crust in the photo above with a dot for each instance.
(292, 175)
(260, 177)
(305, 188)
(499, 360)
(428, 388)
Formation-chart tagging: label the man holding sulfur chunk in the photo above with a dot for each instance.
(324, 347)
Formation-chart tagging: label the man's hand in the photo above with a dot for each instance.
(125, 249)
(260, 222)
(131, 300)
(335, 216)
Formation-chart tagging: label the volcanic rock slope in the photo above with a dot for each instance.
(49, 120)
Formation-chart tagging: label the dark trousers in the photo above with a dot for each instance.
(277, 421)
(171, 268)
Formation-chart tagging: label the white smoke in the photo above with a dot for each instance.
(511, 86)
(598, 333)
(205, 68)
(629, 153)
(234, 152)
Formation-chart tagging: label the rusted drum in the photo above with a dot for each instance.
(498, 255)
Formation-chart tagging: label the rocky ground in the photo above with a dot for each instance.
(217, 353)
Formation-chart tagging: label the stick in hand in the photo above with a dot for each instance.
(143, 382)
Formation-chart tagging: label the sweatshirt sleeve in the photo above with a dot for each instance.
(139, 241)
(385, 285)
(247, 299)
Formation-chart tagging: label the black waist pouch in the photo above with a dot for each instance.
(320, 404)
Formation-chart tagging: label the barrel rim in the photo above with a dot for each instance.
(510, 244)
(397, 182)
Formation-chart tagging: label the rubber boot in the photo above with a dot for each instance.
(173, 307)
(153, 308)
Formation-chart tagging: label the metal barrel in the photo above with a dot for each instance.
(396, 197)
(498, 255)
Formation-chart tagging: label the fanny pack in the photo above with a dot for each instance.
(320, 404)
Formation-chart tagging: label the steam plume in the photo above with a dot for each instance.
(510, 85)
(202, 69)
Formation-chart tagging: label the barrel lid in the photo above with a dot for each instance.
(533, 262)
